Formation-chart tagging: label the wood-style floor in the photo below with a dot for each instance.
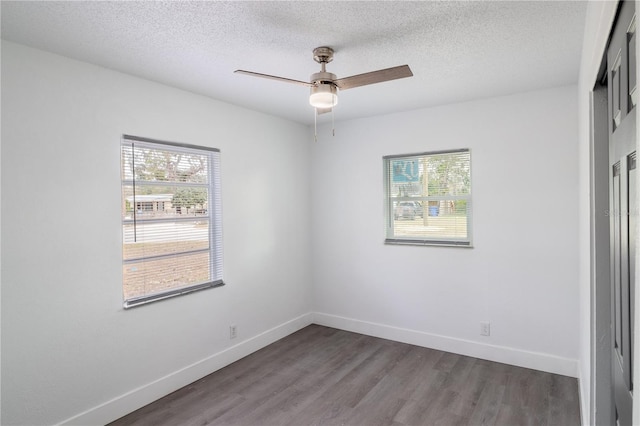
(324, 376)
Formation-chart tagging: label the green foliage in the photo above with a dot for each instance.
(461, 207)
(189, 197)
(169, 166)
(448, 174)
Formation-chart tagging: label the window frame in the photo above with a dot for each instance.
(213, 215)
(391, 238)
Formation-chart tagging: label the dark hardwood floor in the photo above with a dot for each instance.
(324, 376)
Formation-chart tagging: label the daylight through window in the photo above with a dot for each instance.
(428, 198)
(171, 219)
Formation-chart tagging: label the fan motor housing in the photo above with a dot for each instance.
(323, 77)
(324, 92)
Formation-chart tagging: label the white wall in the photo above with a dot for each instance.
(521, 275)
(67, 344)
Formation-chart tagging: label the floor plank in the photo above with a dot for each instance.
(324, 376)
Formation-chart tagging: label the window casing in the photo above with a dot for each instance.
(428, 198)
(171, 219)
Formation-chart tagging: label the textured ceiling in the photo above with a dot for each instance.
(457, 50)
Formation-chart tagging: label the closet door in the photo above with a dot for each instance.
(621, 71)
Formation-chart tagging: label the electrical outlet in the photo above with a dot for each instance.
(485, 328)
(233, 332)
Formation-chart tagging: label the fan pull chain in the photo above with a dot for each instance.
(333, 127)
(315, 125)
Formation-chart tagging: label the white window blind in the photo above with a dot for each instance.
(428, 198)
(171, 219)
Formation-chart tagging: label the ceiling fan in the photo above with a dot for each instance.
(324, 85)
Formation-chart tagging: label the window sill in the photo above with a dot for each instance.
(403, 242)
(143, 300)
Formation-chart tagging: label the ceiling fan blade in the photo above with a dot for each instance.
(373, 77)
(273, 77)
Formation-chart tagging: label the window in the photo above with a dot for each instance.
(428, 198)
(171, 219)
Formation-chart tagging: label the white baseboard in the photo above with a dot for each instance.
(585, 416)
(137, 398)
(521, 358)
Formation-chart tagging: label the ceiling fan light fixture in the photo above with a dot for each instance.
(323, 96)
(324, 85)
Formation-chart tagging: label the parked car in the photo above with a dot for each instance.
(408, 210)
